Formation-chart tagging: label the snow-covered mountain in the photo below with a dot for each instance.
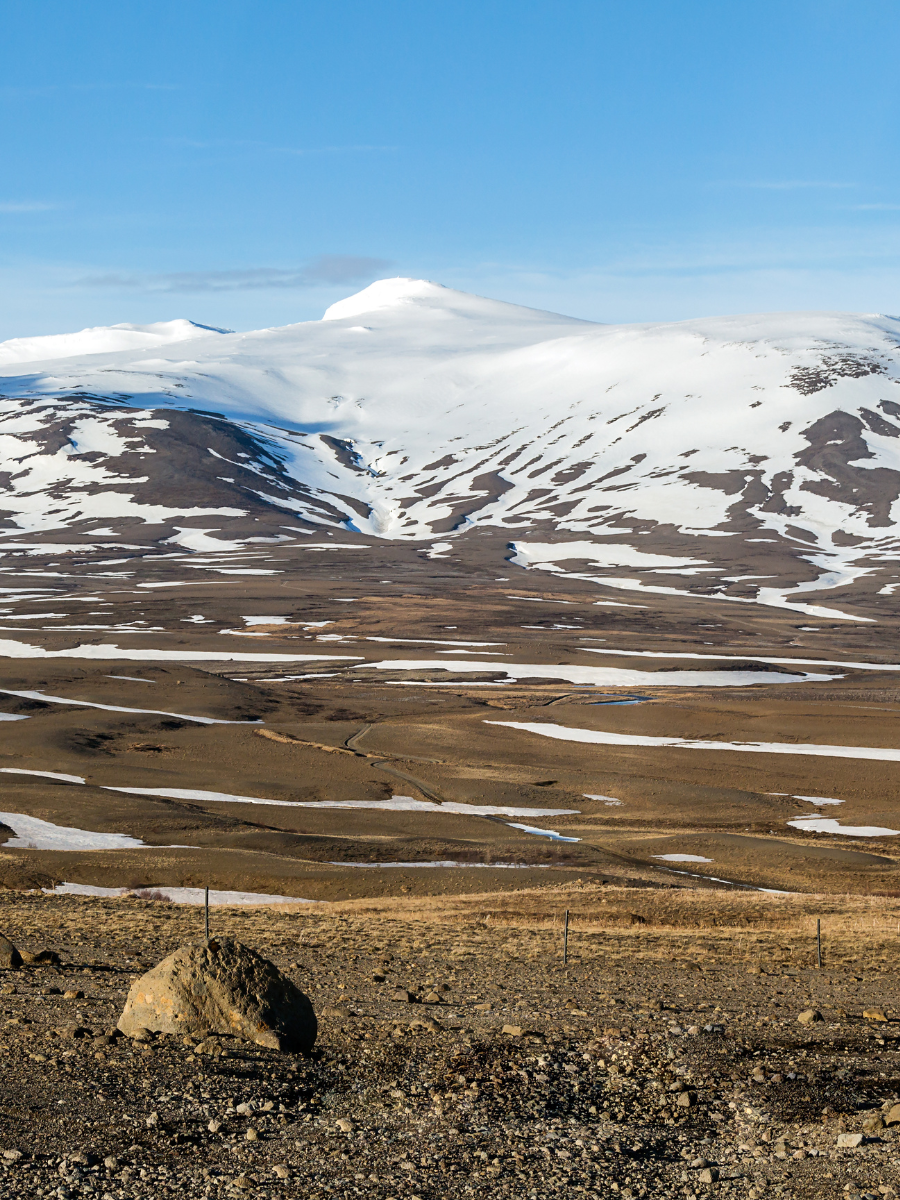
(101, 339)
(747, 456)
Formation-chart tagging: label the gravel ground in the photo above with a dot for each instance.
(505, 1074)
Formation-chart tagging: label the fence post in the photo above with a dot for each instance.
(819, 942)
(206, 911)
(566, 939)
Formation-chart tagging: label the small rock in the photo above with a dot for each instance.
(431, 998)
(699, 1163)
(74, 994)
(402, 996)
(809, 1016)
(686, 1099)
(709, 1175)
(873, 1122)
(111, 1162)
(39, 956)
(893, 1115)
(282, 1171)
(338, 1011)
(874, 1014)
(849, 1141)
(345, 1125)
(245, 1109)
(512, 1030)
(252, 1135)
(425, 1023)
(9, 955)
(73, 1031)
(140, 1034)
(241, 1182)
(485, 1007)
(378, 977)
(12, 1155)
(152, 1121)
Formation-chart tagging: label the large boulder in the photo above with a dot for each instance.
(221, 986)
(9, 955)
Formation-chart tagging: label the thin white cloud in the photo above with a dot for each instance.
(25, 206)
(267, 147)
(13, 92)
(333, 149)
(781, 185)
(142, 87)
(325, 270)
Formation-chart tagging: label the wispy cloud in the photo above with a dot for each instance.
(13, 91)
(25, 206)
(875, 207)
(102, 86)
(333, 149)
(267, 147)
(327, 269)
(781, 185)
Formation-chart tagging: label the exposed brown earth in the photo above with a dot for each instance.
(459, 1056)
(333, 730)
(584, 1096)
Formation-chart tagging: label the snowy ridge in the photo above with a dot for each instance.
(752, 456)
(100, 340)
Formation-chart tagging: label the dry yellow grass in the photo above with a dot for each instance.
(640, 924)
(620, 925)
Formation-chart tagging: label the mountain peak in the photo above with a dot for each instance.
(386, 293)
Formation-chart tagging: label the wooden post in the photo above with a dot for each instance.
(819, 942)
(206, 910)
(566, 939)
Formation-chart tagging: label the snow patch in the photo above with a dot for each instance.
(42, 774)
(830, 825)
(13, 649)
(818, 799)
(178, 895)
(694, 858)
(394, 804)
(42, 696)
(34, 834)
(595, 676)
(598, 738)
(547, 833)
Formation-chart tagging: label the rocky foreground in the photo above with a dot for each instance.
(455, 1058)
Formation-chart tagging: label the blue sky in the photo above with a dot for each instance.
(245, 164)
